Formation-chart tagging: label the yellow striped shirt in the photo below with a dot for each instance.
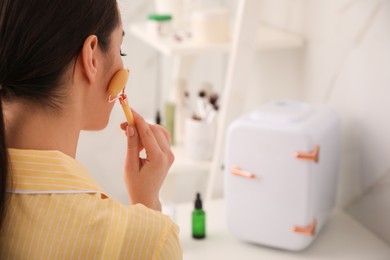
(57, 211)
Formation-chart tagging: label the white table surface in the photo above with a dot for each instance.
(341, 238)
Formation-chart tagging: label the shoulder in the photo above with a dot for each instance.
(135, 231)
(110, 210)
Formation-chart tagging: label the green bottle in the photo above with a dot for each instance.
(198, 219)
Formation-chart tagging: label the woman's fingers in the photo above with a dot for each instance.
(133, 162)
(123, 126)
(144, 177)
(153, 134)
(147, 137)
(161, 137)
(166, 134)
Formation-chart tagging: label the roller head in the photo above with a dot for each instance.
(118, 82)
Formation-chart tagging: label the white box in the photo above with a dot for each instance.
(281, 171)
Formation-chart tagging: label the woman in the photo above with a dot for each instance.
(57, 58)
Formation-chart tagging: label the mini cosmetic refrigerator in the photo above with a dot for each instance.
(281, 171)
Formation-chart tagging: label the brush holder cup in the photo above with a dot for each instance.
(281, 168)
(199, 139)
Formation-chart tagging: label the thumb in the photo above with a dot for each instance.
(132, 153)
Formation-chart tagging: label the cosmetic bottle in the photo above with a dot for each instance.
(159, 25)
(198, 219)
(157, 119)
(170, 120)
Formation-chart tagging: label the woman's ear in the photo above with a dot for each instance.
(89, 57)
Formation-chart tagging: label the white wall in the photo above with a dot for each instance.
(347, 67)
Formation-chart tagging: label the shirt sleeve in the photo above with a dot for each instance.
(171, 248)
(148, 234)
(119, 231)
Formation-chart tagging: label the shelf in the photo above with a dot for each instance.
(268, 38)
(183, 163)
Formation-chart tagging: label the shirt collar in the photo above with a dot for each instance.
(48, 171)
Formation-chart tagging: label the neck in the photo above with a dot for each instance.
(29, 127)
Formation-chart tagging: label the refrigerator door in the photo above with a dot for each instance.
(267, 187)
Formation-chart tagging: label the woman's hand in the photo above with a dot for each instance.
(144, 177)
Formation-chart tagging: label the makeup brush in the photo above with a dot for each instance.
(212, 114)
(212, 102)
(202, 103)
(213, 99)
(115, 87)
(186, 97)
(188, 108)
(207, 87)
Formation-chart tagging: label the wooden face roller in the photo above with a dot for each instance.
(116, 90)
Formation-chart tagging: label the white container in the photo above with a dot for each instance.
(170, 7)
(281, 168)
(199, 139)
(210, 26)
(159, 28)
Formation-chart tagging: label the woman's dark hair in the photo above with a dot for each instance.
(39, 42)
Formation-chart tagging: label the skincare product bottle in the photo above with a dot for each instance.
(198, 219)
(170, 120)
(157, 120)
(159, 24)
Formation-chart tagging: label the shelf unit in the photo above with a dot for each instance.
(248, 37)
(267, 38)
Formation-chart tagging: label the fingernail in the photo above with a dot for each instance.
(130, 131)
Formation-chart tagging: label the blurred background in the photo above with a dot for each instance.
(337, 52)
